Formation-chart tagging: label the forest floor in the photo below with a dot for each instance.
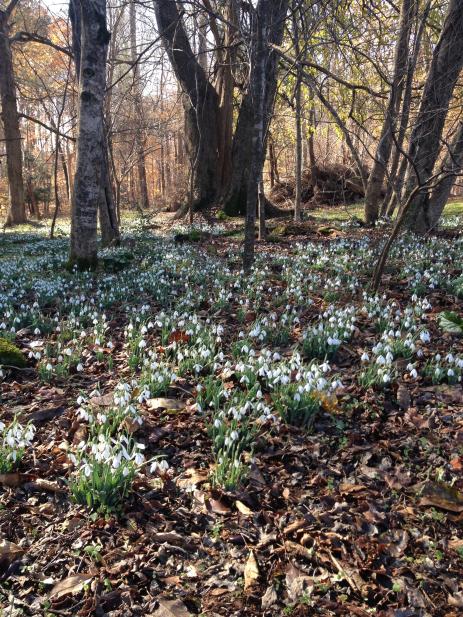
(306, 433)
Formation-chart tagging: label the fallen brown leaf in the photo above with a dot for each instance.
(171, 608)
(165, 403)
(251, 571)
(70, 585)
(442, 496)
(9, 551)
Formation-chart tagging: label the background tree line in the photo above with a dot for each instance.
(219, 103)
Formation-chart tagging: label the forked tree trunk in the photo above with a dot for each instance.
(10, 118)
(399, 162)
(383, 151)
(201, 105)
(235, 198)
(425, 139)
(90, 177)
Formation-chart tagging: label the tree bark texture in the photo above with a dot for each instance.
(425, 140)
(383, 150)
(10, 119)
(91, 171)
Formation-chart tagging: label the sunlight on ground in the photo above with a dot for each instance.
(132, 219)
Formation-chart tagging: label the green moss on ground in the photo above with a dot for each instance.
(10, 355)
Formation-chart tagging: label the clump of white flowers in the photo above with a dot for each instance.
(334, 326)
(119, 416)
(444, 369)
(14, 439)
(105, 468)
(380, 370)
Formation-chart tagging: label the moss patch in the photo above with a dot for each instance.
(10, 355)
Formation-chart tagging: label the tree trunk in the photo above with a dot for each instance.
(224, 87)
(201, 105)
(425, 139)
(10, 118)
(311, 149)
(257, 92)
(261, 199)
(91, 171)
(383, 151)
(235, 198)
(298, 125)
(400, 162)
(138, 108)
(453, 164)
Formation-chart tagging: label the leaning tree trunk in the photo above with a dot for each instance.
(201, 105)
(425, 139)
(10, 118)
(452, 165)
(235, 197)
(89, 177)
(383, 151)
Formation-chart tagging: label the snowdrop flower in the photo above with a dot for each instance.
(365, 357)
(425, 336)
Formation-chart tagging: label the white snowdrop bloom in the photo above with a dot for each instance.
(142, 344)
(139, 458)
(80, 367)
(413, 373)
(450, 358)
(437, 357)
(37, 332)
(234, 435)
(386, 378)
(450, 372)
(49, 367)
(365, 357)
(425, 336)
(381, 360)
